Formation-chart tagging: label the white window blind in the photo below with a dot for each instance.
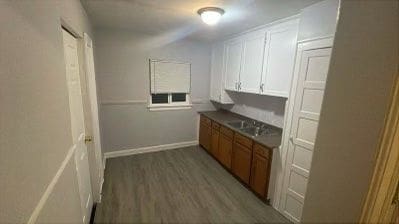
(170, 77)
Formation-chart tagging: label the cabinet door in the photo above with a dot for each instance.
(251, 71)
(233, 53)
(241, 162)
(217, 92)
(205, 133)
(225, 150)
(279, 60)
(260, 175)
(216, 72)
(215, 143)
(313, 64)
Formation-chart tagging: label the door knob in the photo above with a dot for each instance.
(88, 139)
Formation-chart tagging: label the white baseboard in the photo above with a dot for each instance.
(156, 148)
(104, 162)
(101, 190)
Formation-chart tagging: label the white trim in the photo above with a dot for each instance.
(170, 107)
(50, 187)
(101, 189)
(123, 102)
(104, 161)
(316, 38)
(170, 61)
(127, 102)
(156, 148)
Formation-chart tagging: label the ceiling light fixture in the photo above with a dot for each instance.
(210, 15)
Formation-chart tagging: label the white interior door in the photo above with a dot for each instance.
(77, 123)
(312, 74)
(233, 53)
(252, 61)
(95, 156)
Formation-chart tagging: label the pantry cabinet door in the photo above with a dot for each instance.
(279, 60)
(233, 55)
(313, 62)
(251, 71)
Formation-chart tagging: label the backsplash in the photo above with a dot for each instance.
(263, 108)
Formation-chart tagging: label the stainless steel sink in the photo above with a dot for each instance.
(253, 128)
(256, 131)
(239, 124)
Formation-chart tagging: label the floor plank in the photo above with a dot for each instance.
(177, 186)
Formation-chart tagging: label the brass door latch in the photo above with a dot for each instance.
(88, 139)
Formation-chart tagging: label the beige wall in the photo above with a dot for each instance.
(363, 64)
(122, 71)
(35, 120)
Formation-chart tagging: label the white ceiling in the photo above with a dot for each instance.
(179, 18)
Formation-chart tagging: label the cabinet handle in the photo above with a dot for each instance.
(261, 87)
(236, 86)
(239, 86)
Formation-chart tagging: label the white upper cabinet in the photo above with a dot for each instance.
(279, 59)
(259, 61)
(218, 94)
(252, 61)
(232, 65)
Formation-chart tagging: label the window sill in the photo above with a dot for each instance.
(169, 107)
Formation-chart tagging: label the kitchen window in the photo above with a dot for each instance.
(170, 85)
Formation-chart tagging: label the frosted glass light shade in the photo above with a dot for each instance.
(211, 15)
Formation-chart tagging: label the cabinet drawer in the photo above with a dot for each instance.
(215, 125)
(243, 140)
(227, 132)
(261, 150)
(205, 120)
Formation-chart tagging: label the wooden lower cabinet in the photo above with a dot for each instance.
(260, 171)
(246, 159)
(225, 150)
(215, 142)
(205, 133)
(241, 160)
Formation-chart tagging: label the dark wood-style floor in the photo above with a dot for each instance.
(177, 186)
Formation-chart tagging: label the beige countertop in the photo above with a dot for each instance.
(224, 116)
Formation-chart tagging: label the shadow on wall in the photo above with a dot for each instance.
(264, 108)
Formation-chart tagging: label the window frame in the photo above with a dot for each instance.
(170, 105)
